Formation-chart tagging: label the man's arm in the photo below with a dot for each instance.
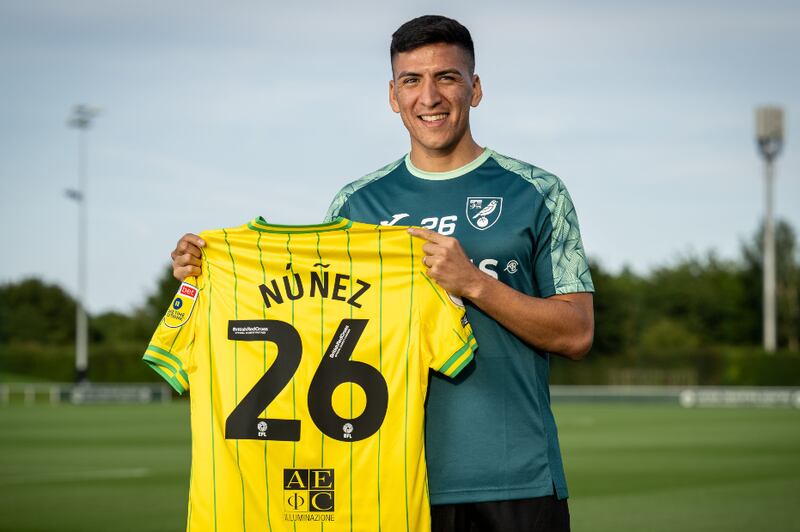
(186, 256)
(562, 324)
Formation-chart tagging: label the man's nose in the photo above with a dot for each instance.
(430, 96)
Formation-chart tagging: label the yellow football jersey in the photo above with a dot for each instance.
(307, 351)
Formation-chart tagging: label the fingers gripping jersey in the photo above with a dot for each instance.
(307, 351)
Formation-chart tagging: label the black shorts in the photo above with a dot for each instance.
(540, 514)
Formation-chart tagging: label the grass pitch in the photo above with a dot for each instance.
(665, 468)
(630, 468)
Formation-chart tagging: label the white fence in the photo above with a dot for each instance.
(686, 396)
(57, 393)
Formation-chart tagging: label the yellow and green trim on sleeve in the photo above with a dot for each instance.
(168, 366)
(460, 358)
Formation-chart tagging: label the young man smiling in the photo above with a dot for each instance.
(433, 88)
(503, 235)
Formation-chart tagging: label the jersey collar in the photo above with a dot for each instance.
(260, 224)
(440, 176)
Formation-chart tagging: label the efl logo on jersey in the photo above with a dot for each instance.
(181, 307)
(482, 213)
(306, 491)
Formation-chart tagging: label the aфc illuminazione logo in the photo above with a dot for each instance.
(306, 492)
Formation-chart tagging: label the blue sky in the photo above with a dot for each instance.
(216, 112)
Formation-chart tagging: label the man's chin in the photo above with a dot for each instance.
(436, 144)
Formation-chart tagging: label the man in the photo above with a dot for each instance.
(522, 272)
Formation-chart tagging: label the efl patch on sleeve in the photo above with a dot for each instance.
(181, 307)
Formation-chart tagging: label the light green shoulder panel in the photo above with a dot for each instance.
(570, 267)
(346, 191)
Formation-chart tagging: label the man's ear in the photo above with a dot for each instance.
(392, 99)
(477, 91)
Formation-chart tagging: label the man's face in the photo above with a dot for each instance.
(433, 90)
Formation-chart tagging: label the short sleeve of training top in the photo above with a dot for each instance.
(559, 261)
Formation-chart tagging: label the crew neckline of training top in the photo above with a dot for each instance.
(440, 176)
(260, 224)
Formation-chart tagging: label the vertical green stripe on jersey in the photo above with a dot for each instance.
(322, 354)
(435, 291)
(264, 370)
(350, 259)
(294, 405)
(211, 395)
(408, 347)
(380, 363)
(236, 367)
(458, 335)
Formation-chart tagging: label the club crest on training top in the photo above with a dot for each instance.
(482, 213)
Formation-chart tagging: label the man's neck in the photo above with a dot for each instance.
(445, 161)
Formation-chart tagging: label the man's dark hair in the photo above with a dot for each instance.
(431, 29)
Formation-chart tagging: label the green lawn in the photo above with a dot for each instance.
(94, 468)
(630, 468)
(662, 468)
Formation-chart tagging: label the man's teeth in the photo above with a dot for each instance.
(433, 118)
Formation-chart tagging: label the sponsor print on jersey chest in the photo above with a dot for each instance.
(493, 230)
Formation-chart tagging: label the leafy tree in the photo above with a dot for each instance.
(138, 326)
(115, 327)
(34, 311)
(158, 302)
(617, 310)
(705, 295)
(666, 335)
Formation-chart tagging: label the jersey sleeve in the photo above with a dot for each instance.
(170, 349)
(446, 335)
(559, 262)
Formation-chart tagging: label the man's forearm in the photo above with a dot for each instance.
(561, 324)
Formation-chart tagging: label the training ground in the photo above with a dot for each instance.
(630, 467)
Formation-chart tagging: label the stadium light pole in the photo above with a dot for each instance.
(769, 136)
(81, 120)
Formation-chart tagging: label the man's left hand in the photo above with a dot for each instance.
(448, 265)
(561, 324)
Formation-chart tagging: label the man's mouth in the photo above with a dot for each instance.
(433, 118)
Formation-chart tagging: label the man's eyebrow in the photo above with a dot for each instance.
(407, 73)
(448, 71)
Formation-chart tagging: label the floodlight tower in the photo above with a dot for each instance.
(81, 120)
(769, 136)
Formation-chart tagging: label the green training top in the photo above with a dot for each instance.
(517, 223)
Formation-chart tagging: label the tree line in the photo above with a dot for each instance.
(698, 301)
(695, 311)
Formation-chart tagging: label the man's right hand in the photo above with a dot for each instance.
(186, 256)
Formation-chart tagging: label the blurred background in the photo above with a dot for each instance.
(202, 115)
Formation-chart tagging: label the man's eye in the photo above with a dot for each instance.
(409, 81)
(447, 78)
